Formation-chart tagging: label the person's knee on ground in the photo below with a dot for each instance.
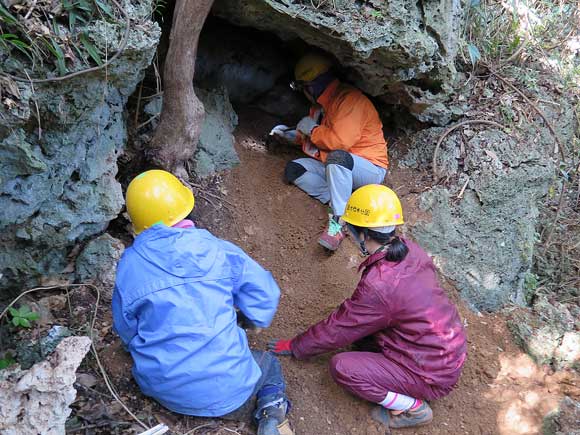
(293, 171)
(341, 158)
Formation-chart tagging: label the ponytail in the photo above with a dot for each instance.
(395, 249)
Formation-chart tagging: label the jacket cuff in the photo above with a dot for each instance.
(295, 348)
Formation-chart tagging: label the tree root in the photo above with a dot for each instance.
(451, 129)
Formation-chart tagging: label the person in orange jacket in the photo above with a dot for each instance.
(343, 137)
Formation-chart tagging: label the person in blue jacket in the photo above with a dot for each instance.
(174, 306)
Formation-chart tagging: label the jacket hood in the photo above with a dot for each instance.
(163, 246)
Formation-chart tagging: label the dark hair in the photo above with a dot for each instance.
(395, 248)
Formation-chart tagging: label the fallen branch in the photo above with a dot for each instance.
(88, 70)
(212, 195)
(451, 129)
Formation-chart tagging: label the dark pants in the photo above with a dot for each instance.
(270, 390)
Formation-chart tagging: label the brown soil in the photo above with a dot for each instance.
(501, 390)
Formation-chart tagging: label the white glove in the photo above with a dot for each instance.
(284, 132)
(306, 125)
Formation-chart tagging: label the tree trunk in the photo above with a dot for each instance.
(182, 112)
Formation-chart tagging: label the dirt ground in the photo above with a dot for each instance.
(501, 391)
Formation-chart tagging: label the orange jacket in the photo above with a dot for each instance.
(350, 123)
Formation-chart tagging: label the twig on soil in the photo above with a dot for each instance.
(463, 188)
(30, 10)
(91, 329)
(212, 195)
(209, 201)
(192, 431)
(88, 70)
(143, 124)
(451, 129)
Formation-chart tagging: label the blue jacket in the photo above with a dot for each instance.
(173, 307)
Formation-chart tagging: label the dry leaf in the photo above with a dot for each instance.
(492, 155)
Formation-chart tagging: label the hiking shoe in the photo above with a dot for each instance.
(332, 235)
(272, 421)
(417, 417)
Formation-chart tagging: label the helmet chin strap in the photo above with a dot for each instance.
(360, 241)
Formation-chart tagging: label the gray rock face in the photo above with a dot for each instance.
(215, 150)
(37, 400)
(565, 421)
(484, 239)
(58, 184)
(97, 263)
(402, 50)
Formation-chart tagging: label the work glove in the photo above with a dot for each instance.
(280, 347)
(306, 125)
(285, 132)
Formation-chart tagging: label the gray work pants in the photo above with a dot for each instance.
(334, 183)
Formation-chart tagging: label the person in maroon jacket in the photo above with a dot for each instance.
(419, 343)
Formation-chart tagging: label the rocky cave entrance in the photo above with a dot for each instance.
(242, 76)
(255, 67)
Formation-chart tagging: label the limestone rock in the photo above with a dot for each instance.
(215, 150)
(58, 187)
(565, 421)
(37, 400)
(97, 262)
(401, 50)
(547, 332)
(483, 241)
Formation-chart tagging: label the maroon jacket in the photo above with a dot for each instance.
(409, 316)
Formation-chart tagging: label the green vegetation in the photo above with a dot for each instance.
(542, 30)
(7, 361)
(23, 316)
(57, 38)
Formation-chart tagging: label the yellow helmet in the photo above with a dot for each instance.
(372, 206)
(311, 66)
(157, 197)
